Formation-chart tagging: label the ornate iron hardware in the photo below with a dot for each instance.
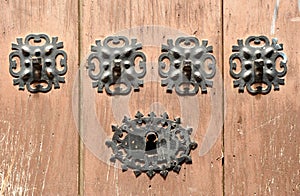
(151, 144)
(257, 58)
(37, 63)
(190, 65)
(116, 59)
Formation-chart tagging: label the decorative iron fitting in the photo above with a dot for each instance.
(187, 65)
(117, 61)
(37, 67)
(257, 59)
(151, 144)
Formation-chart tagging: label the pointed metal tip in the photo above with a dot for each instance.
(137, 173)
(164, 173)
(150, 174)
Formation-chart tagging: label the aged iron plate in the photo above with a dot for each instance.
(151, 144)
(37, 67)
(116, 61)
(257, 59)
(190, 65)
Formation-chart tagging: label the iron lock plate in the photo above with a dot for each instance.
(116, 61)
(37, 64)
(187, 65)
(257, 59)
(151, 144)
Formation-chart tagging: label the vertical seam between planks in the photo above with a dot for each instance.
(223, 96)
(80, 144)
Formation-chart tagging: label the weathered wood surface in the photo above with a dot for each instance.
(38, 137)
(262, 134)
(38, 132)
(138, 19)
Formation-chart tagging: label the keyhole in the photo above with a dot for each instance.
(117, 69)
(37, 68)
(151, 143)
(258, 66)
(187, 69)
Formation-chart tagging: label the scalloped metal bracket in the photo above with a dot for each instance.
(257, 58)
(151, 144)
(37, 65)
(116, 60)
(190, 65)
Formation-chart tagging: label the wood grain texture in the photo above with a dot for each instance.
(136, 19)
(38, 137)
(262, 132)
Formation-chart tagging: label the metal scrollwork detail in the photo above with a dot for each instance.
(117, 60)
(151, 144)
(37, 67)
(190, 65)
(258, 58)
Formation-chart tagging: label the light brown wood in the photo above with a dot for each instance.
(39, 149)
(38, 137)
(262, 132)
(136, 19)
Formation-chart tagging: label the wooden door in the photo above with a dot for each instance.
(54, 143)
(261, 132)
(39, 141)
(151, 23)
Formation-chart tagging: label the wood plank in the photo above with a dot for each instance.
(38, 137)
(262, 132)
(136, 19)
